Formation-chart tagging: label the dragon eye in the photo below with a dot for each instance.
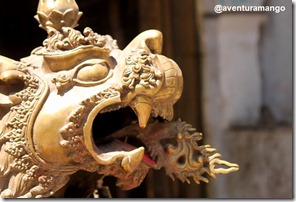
(92, 72)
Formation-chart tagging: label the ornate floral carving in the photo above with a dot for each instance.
(57, 14)
(140, 71)
(70, 38)
(62, 81)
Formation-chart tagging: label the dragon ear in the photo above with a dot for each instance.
(7, 97)
(8, 87)
(10, 82)
(5, 101)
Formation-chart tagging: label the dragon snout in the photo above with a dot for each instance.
(151, 84)
(172, 86)
(161, 103)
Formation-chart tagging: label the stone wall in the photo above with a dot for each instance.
(247, 98)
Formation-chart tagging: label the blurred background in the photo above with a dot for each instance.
(237, 69)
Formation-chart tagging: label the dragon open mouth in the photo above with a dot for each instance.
(113, 138)
(108, 123)
(160, 144)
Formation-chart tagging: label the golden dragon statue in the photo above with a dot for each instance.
(78, 102)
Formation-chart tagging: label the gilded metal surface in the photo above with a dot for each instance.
(50, 101)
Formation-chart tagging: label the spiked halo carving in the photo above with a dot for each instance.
(50, 100)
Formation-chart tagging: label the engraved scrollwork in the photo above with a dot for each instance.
(72, 133)
(180, 154)
(14, 143)
(18, 159)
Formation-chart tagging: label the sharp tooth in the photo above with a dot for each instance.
(142, 105)
(169, 112)
(166, 111)
(155, 112)
(131, 161)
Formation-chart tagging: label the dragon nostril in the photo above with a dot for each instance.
(181, 160)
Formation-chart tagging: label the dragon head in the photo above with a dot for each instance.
(68, 107)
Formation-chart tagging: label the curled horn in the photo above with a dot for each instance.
(150, 39)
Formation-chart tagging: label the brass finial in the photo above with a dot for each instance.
(57, 14)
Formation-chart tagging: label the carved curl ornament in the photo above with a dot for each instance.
(52, 101)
